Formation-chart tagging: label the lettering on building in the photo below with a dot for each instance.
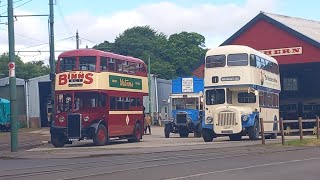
(282, 51)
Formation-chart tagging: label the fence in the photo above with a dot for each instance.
(282, 122)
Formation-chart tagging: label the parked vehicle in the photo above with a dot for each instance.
(186, 105)
(4, 115)
(98, 96)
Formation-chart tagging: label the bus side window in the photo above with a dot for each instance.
(103, 64)
(111, 65)
(253, 61)
(132, 68)
(119, 66)
(258, 59)
(126, 103)
(261, 99)
(119, 103)
(112, 103)
(133, 102)
(139, 102)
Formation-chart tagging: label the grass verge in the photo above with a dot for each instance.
(304, 142)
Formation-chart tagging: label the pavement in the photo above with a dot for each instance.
(34, 145)
(27, 138)
(241, 163)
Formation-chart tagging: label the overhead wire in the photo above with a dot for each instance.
(63, 18)
(13, 2)
(18, 6)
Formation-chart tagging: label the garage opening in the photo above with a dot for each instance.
(300, 89)
(45, 103)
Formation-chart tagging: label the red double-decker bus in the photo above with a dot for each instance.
(99, 95)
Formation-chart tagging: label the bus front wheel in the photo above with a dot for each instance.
(101, 136)
(57, 140)
(207, 135)
(253, 131)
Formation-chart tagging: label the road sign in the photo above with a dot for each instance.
(12, 71)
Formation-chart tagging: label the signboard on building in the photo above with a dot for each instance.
(282, 51)
(187, 84)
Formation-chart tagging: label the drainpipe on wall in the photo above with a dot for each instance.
(27, 102)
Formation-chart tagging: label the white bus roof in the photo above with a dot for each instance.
(233, 49)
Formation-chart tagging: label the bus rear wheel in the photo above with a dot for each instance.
(207, 135)
(101, 136)
(137, 134)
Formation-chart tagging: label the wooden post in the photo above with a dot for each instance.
(317, 121)
(282, 130)
(300, 128)
(262, 131)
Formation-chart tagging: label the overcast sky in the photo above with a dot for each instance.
(100, 20)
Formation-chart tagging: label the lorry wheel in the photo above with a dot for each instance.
(57, 140)
(101, 136)
(137, 134)
(207, 135)
(235, 137)
(183, 132)
(253, 131)
(167, 130)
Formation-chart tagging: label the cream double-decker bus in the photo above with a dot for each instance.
(241, 85)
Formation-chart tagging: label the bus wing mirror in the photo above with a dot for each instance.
(256, 93)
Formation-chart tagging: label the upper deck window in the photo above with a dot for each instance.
(216, 61)
(67, 64)
(87, 63)
(103, 64)
(238, 59)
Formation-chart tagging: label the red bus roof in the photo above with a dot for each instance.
(94, 52)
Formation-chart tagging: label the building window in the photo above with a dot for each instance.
(290, 84)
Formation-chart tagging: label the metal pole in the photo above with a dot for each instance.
(12, 80)
(52, 58)
(282, 130)
(77, 39)
(317, 125)
(262, 131)
(300, 128)
(149, 86)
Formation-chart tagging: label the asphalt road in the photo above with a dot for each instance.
(241, 163)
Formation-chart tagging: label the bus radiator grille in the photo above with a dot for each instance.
(227, 119)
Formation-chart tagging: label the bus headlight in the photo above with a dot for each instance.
(61, 119)
(245, 117)
(86, 119)
(189, 120)
(209, 119)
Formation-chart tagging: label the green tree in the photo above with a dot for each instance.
(23, 70)
(105, 46)
(170, 57)
(184, 51)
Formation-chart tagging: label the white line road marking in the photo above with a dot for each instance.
(242, 168)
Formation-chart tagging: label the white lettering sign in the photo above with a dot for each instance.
(187, 84)
(282, 51)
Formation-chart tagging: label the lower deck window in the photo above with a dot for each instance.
(245, 97)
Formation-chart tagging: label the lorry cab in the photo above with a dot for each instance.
(186, 104)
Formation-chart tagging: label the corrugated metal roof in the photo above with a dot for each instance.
(306, 27)
(5, 81)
